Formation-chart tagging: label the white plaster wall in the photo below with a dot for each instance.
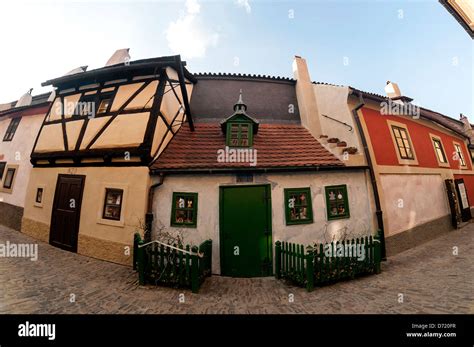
(207, 186)
(17, 152)
(332, 101)
(412, 200)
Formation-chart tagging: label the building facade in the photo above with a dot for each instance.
(20, 122)
(91, 155)
(419, 162)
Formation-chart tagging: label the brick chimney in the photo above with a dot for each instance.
(309, 113)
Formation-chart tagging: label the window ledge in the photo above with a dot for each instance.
(113, 223)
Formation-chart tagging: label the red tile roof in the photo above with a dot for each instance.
(278, 146)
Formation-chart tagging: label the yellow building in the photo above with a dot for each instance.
(89, 186)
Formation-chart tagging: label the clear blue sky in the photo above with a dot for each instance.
(417, 44)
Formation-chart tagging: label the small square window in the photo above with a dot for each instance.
(298, 206)
(39, 196)
(337, 203)
(105, 100)
(113, 204)
(8, 182)
(184, 210)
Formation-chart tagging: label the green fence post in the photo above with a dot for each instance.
(378, 252)
(194, 270)
(136, 238)
(309, 271)
(141, 262)
(278, 259)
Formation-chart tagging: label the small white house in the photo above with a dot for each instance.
(245, 178)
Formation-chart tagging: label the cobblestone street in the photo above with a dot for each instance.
(430, 277)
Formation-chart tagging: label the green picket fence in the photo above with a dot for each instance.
(326, 263)
(172, 265)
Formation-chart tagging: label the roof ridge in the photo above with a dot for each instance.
(243, 75)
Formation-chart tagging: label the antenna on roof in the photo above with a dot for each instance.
(121, 56)
(25, 99)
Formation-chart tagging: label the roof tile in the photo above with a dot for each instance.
(277, 146)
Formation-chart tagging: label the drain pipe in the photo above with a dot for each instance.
(149, 211)
(378, 207)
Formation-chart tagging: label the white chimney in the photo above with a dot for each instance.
(392, 90)
(79, 69)
(121, 56)
(309, 113)
(25, 99)
(52, 96)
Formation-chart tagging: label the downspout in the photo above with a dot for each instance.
(373, 180)
(149, 211)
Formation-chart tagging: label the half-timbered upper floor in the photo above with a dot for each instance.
(124, 114)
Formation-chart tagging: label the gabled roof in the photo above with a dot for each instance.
(277, 147)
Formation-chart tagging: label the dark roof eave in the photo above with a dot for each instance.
(377, 97)
(234, 170)
(22, 108)
(139, 64)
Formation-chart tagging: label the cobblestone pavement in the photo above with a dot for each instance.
(430, 277)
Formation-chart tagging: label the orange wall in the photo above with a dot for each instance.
(469, 182)
(384, 148)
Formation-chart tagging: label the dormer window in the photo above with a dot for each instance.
(239, 134)
(240, 127)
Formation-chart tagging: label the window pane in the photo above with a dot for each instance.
(298, 206)
(39, 195)
(403, 153)
(184, 211)
(104, 104)
(9, 178)
(406, 144)
(113, 204)
(337, 204)
(396, 132)
(404, 134)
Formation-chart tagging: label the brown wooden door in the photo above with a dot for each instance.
(66, 212)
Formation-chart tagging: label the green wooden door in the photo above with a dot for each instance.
(245, 231)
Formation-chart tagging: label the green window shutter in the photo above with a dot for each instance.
(337, 202)
(239, 134)
(298, 206)
(184, 210)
